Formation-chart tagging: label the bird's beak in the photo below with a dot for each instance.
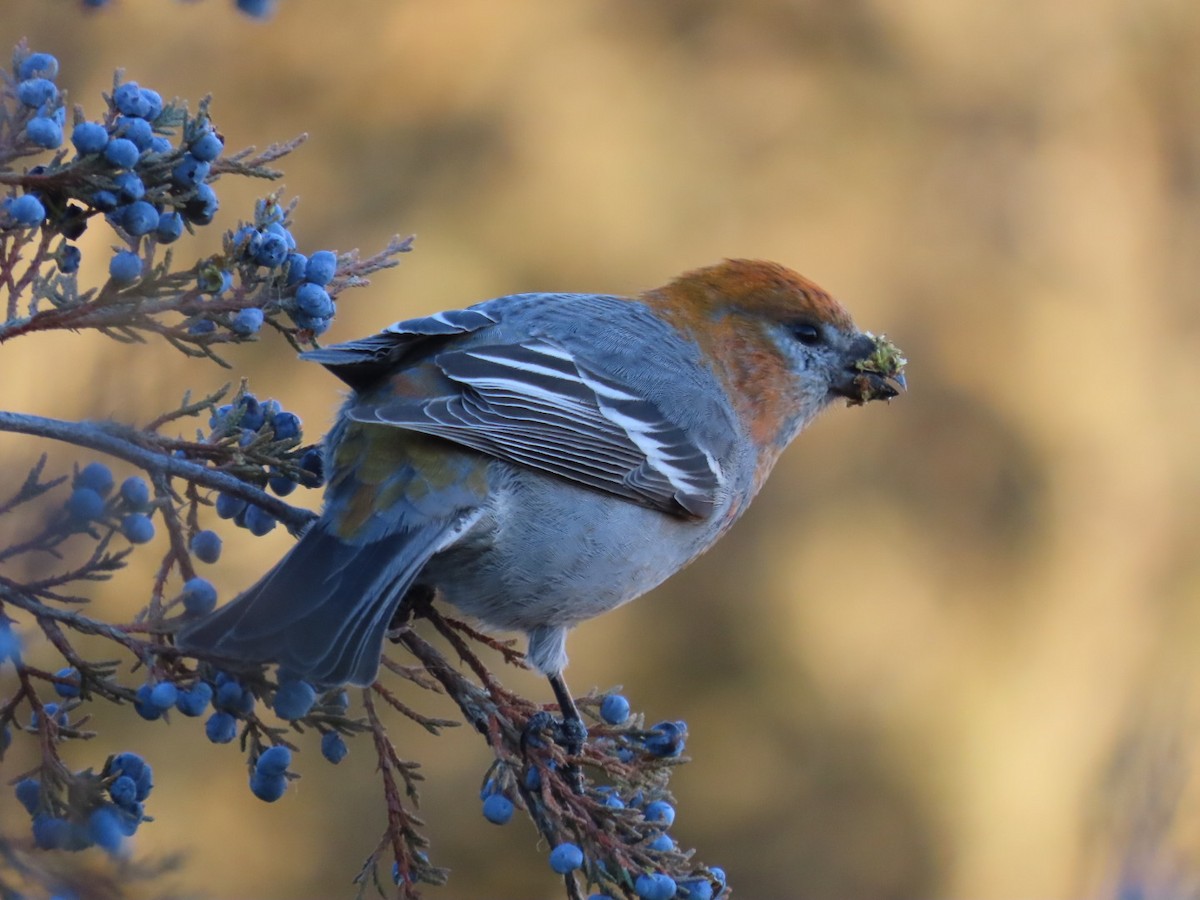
(874, 371)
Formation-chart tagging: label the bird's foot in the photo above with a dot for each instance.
(569, 732)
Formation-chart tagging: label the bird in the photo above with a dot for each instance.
(538, 459)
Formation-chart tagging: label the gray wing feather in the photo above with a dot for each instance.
(536, 404)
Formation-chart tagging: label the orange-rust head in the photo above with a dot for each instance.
(755, 287)
(782, 348)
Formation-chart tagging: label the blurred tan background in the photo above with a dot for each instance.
(951, 651)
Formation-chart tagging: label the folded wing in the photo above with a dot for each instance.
(532, 402)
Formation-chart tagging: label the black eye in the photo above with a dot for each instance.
(807, 333)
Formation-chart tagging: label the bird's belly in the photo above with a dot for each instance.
(550, 553)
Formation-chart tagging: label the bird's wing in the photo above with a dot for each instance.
(537, 404)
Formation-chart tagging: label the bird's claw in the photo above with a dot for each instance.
(569, 732)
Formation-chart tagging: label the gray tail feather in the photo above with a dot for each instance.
(324, 609)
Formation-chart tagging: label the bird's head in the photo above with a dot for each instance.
(782, 346)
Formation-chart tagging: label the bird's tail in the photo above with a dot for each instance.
(324, 609)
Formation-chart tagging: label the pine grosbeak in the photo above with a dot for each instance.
(539, 459)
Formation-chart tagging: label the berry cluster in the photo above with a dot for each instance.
(148, 168)
(125, 167)
(130, 510)
(270, 245)
(271, 271)
(128, 146)
(92, 502)
(234, 701)
(101, 810)
(643, 812)
(254, 424)
(231, 701)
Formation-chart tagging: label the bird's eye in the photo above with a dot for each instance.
(807, 333)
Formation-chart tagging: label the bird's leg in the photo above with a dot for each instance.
(573, 730)
(569, 732)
